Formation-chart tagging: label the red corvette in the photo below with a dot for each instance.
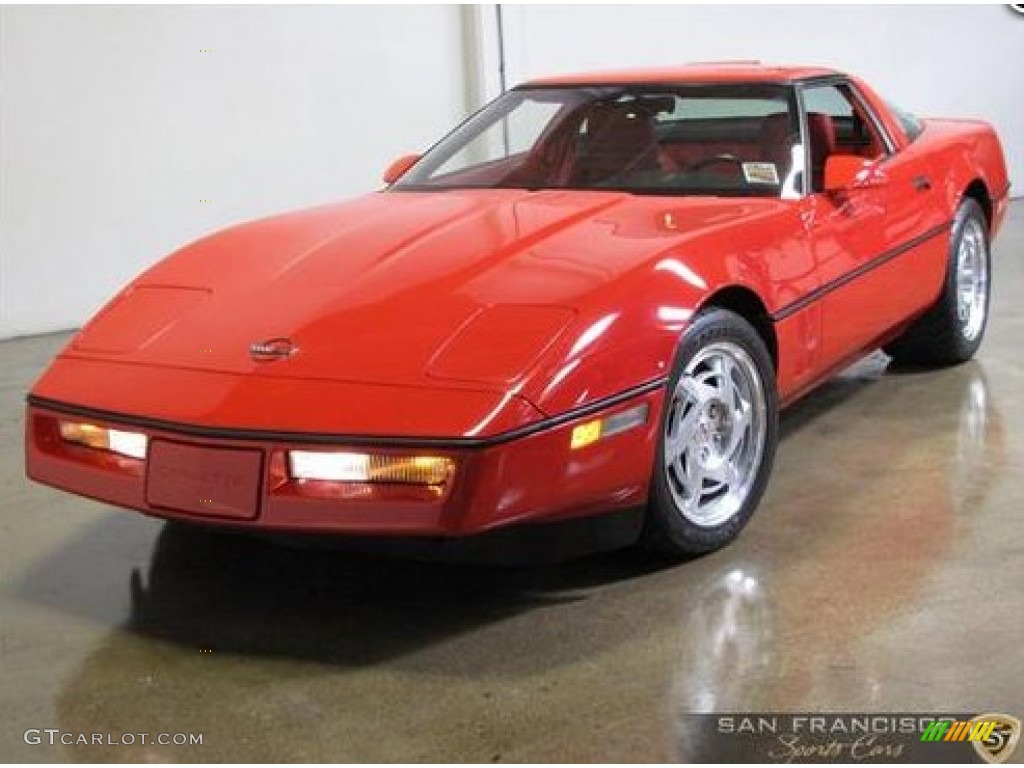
(590, 300)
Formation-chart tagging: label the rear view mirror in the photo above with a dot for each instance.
(399, 167)
(843, 172)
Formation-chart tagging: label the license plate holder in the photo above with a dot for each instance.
(204, 480)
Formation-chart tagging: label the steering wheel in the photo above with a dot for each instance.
(704, 162)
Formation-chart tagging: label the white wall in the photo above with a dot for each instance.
(115, 127)
(937, 60)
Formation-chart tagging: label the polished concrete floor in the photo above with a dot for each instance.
(883, 572)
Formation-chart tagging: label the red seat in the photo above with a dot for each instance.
(777, 140)
(822, 135)
(620, 138)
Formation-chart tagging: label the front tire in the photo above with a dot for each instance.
(717, 437)
(951, 331)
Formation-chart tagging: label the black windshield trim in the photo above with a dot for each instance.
(764, 194)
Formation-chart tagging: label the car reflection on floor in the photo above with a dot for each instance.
(757, 639)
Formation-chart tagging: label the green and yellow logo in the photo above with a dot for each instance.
(994, 736)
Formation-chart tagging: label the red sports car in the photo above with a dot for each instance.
(590, 300)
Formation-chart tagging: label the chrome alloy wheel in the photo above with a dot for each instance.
(714, 434)
(972, 279)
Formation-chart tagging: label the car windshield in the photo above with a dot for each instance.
(729, 140)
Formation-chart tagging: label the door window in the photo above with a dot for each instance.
(838, 124)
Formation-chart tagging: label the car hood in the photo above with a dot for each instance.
(410, 288)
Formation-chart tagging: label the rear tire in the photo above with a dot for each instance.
(717, 437)
(951, 331)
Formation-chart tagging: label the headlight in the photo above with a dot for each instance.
(347, 467)
(131, 444)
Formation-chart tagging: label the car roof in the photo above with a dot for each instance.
(704, 72)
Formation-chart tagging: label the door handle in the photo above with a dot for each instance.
(922, 183)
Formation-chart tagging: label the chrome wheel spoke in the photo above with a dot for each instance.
(693, 480)
(721, 367)
(741, 423)
(680, 434)
(698, 389)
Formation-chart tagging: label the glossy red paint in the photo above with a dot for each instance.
(488, 323)
(396, 169)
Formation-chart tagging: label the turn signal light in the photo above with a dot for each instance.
(347, 467)
(131, 444)
(589, 432)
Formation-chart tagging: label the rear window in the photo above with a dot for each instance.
(711, 108)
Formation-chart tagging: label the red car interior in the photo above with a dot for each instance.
(822, 137)
(620, 138)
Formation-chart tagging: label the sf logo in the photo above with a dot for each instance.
(1001, 741)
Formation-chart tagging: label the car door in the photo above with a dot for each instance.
(847, 229)
(880, 246)
(916, 232)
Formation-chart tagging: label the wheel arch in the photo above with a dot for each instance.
(747, 304)
(978, 191)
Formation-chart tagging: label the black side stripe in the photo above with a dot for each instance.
(274, 436)
(823, 290)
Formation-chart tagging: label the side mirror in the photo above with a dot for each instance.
(399, 167)
(845, 172)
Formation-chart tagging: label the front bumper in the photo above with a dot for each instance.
(529, 477)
